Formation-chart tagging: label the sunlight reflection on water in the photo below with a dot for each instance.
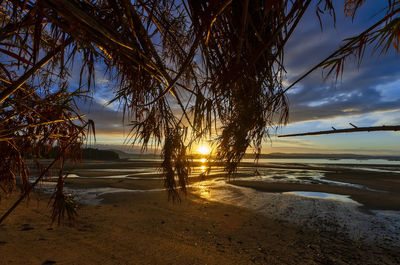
(203, 190)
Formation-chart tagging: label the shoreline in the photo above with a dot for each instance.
(371, 200)
(216, 223)
(379, 190)
(126, 226)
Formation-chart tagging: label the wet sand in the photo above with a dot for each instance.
(380, 191)
(144, 228)
(384, 181)
(372, 200)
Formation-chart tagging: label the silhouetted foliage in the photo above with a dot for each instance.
(96, 154)
(182, 70)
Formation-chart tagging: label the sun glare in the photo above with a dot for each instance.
(203, 149)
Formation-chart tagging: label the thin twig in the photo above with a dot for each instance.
(348, 130)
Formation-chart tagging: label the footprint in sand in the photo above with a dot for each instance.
(27, 227)
(49, 262)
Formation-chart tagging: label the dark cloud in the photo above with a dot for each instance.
(314, 98)
(356, 92)
(107, 120)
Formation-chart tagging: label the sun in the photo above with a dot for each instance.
(204, 149)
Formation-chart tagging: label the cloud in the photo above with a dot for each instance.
(366, 95)
(373, 86)
(107, 121)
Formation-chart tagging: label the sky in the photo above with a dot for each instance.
(366, 95)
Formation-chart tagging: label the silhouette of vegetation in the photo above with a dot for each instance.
(96, 154)
(48, 152)
(183, 70)
(348, 130)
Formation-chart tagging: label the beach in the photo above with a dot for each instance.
(129, 220)
(199, 132)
